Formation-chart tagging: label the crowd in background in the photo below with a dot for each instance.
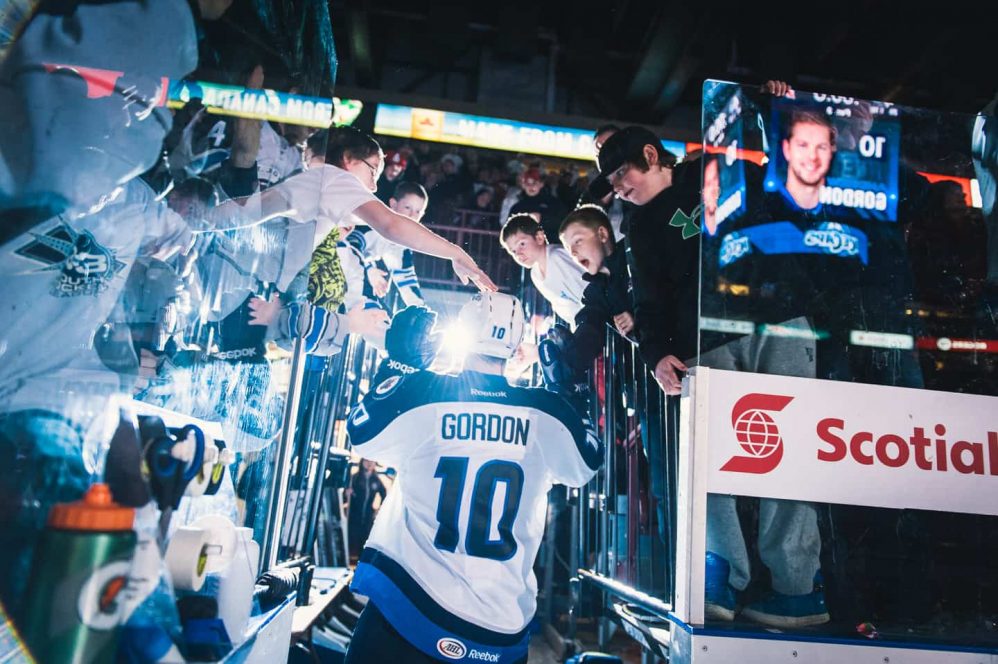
(485, 182)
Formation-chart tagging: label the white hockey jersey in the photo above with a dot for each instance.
(276, 159)
(451, 554)
(562, 284)
(355, 273)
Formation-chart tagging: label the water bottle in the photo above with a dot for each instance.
(81, 566)
(235, 591)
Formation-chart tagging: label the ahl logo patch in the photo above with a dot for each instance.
(387, 386)
(451, 648)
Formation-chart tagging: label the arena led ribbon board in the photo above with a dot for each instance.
(492, 133)
(230, 100)
(236, 101)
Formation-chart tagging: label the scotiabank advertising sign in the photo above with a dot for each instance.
(834, 442)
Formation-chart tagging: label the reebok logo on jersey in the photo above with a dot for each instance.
(399, 366)
(451, 648)
(235, 354)
(483, 656)
(485, 393)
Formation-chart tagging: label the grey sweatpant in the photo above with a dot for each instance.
(789, 541)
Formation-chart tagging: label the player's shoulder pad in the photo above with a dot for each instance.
(389, 398)
(544, 401)
(579, 424)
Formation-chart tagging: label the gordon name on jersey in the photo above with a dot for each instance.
(485, 427)
(404, 411)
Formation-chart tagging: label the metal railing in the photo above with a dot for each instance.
(627, 515)
(313, 523)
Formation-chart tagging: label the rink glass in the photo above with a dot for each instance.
(120, 291)
(892, 280)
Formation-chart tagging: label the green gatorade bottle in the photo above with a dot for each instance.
(80, 569)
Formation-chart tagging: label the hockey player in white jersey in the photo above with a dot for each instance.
(448, 566)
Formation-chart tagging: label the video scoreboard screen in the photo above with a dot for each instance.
(860, 173)
(849, 148)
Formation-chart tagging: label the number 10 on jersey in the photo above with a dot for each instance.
(452, 472)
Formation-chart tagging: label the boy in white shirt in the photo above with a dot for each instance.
(555, 275)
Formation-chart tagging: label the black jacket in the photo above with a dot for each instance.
(605, 296)
(663, 251)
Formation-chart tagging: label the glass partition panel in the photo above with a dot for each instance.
(846, 239)
(152, 295)
(850, 240)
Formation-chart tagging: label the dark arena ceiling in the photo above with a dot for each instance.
(645, 61)
(631, 60)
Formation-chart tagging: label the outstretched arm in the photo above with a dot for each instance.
(252, 210)
(408, 233)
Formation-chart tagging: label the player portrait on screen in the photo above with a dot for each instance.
(835, 151)
(711, 193)
(728, 144)
(808, 150)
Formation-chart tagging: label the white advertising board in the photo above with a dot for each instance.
(849, 443)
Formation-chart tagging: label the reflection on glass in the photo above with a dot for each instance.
(134, 326)
(846, 240)
(842, 241)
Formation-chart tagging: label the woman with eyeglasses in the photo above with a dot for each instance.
(341, 193)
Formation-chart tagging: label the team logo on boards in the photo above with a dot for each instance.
(757, 433)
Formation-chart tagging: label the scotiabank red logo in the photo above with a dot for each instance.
(757, 433)
(966, 457)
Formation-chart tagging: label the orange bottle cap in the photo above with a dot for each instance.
(97, 511)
